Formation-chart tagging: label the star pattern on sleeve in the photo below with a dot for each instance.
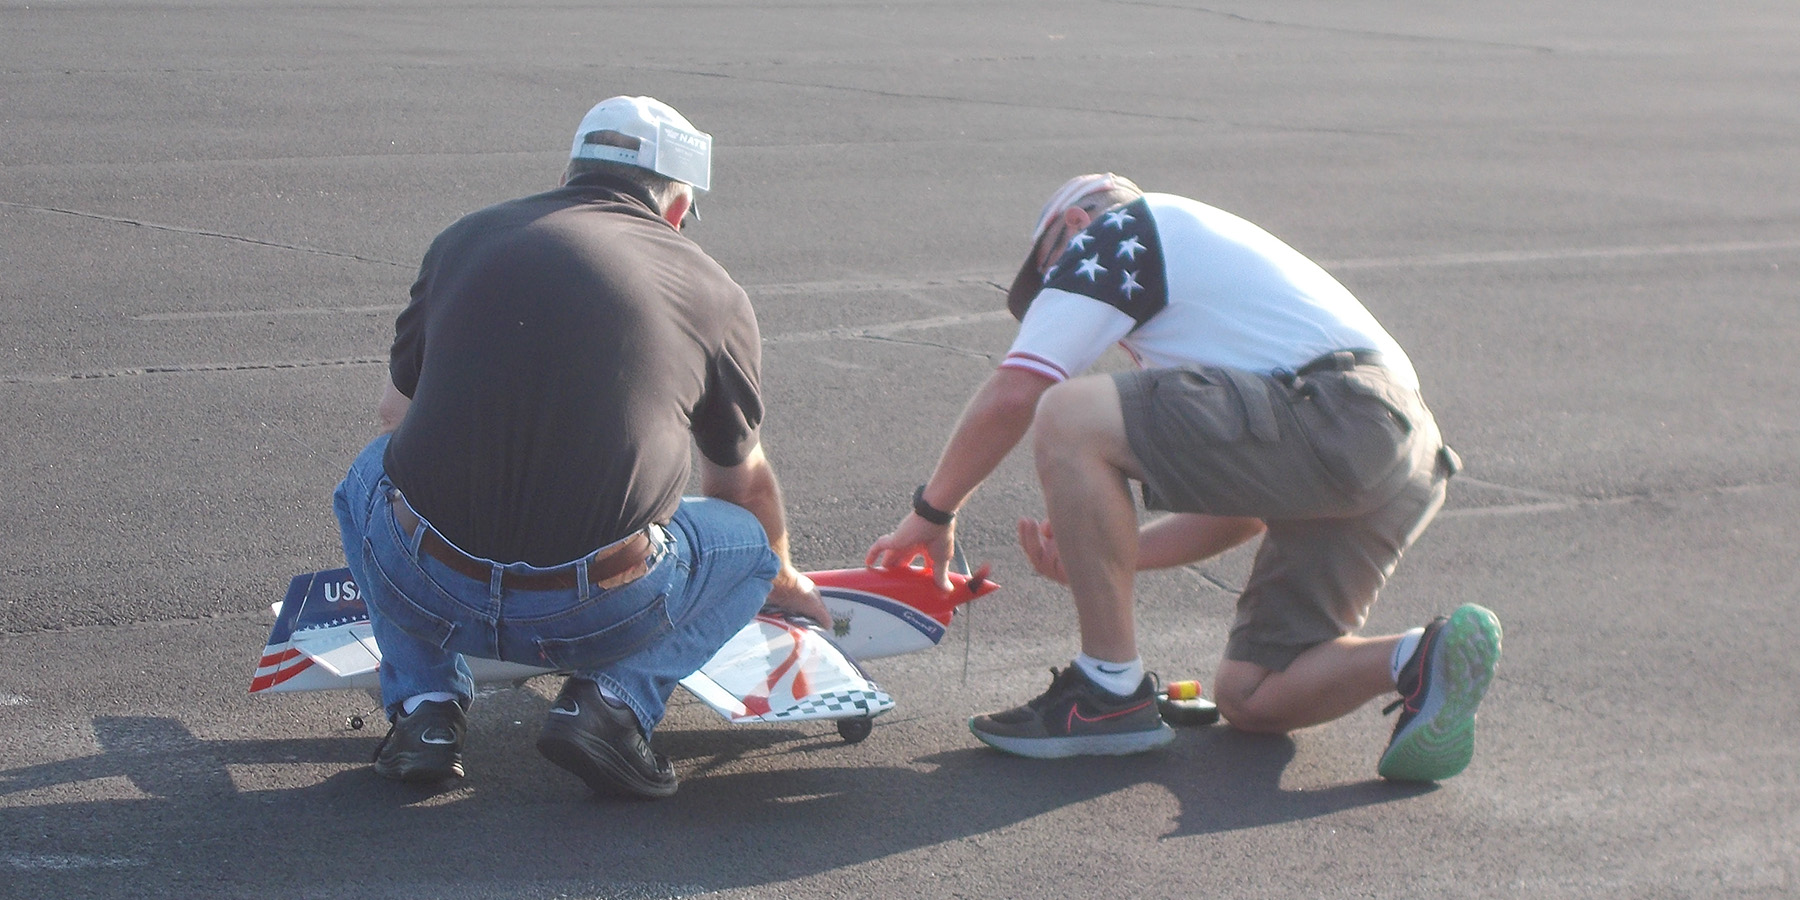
(1117, 219)
(1118, 261)
(1130, 285)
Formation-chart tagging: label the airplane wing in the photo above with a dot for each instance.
(776, 669)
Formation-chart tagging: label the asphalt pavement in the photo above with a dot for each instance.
(1581, 220)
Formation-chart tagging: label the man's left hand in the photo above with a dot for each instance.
(914, 538)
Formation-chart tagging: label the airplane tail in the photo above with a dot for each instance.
(322, 641)
(321, 638)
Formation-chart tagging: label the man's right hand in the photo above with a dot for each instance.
(1039, 544)
(792, 591)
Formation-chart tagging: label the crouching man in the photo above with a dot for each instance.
(1268, 402)
(559, 353)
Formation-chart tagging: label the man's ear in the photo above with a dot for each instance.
(678, 209)
(1077, 218)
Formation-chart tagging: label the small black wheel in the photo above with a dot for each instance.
(355, 723)
(853, 731)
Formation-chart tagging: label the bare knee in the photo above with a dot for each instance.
(1245, 717)
(1236, 687)
(1075, 407)
(1081, 420)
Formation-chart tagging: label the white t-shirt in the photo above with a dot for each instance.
(1177, 282)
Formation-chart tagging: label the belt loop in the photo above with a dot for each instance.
(1254, 392)
(583, 586)
(496, 577)
(403, 511)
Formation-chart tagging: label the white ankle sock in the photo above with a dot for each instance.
(1403, 651)
(412, 703)
(1119, 678)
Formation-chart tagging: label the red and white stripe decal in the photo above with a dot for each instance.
(273, 668)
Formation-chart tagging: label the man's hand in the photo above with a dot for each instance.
(1039, 544)
(913, 538)
(793, 592)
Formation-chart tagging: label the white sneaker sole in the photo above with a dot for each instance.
(1121, 744)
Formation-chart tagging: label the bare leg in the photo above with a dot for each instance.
(1083, 461)
(1322, 684)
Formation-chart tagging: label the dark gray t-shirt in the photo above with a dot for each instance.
(560, 351)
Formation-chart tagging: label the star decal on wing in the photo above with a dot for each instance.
(1136, 287)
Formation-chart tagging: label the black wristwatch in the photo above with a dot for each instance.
(928, 512)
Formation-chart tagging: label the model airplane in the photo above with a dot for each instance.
(777, 668)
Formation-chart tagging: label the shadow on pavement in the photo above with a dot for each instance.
(350, 833)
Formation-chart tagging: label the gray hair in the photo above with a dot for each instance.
(663, 191)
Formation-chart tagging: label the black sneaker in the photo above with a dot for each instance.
(425, 746)
(1077, 717)
(602, 744)
(1440, 687)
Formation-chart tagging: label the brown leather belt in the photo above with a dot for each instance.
(612, 566)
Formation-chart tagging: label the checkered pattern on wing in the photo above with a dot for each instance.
(837, 705)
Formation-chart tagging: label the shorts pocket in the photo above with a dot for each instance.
(1359, 432)
(1196, 407)
(1397, 399)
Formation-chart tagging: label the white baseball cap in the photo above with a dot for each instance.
(667, 143)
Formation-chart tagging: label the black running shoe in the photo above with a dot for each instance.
(602, 744)
(424, 747)
(1440, 688)
(1077, 717)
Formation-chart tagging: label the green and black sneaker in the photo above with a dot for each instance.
(1440, 687)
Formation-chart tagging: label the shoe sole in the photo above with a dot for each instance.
(1120, 744)
(598, 764)
(1440, 740)
(422, 767)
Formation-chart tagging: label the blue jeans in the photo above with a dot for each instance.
(709, 575)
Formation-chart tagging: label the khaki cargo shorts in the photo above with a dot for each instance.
(1344, 465)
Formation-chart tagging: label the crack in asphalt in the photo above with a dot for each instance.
(1332, 29)
(191, 368)
(200, 232)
